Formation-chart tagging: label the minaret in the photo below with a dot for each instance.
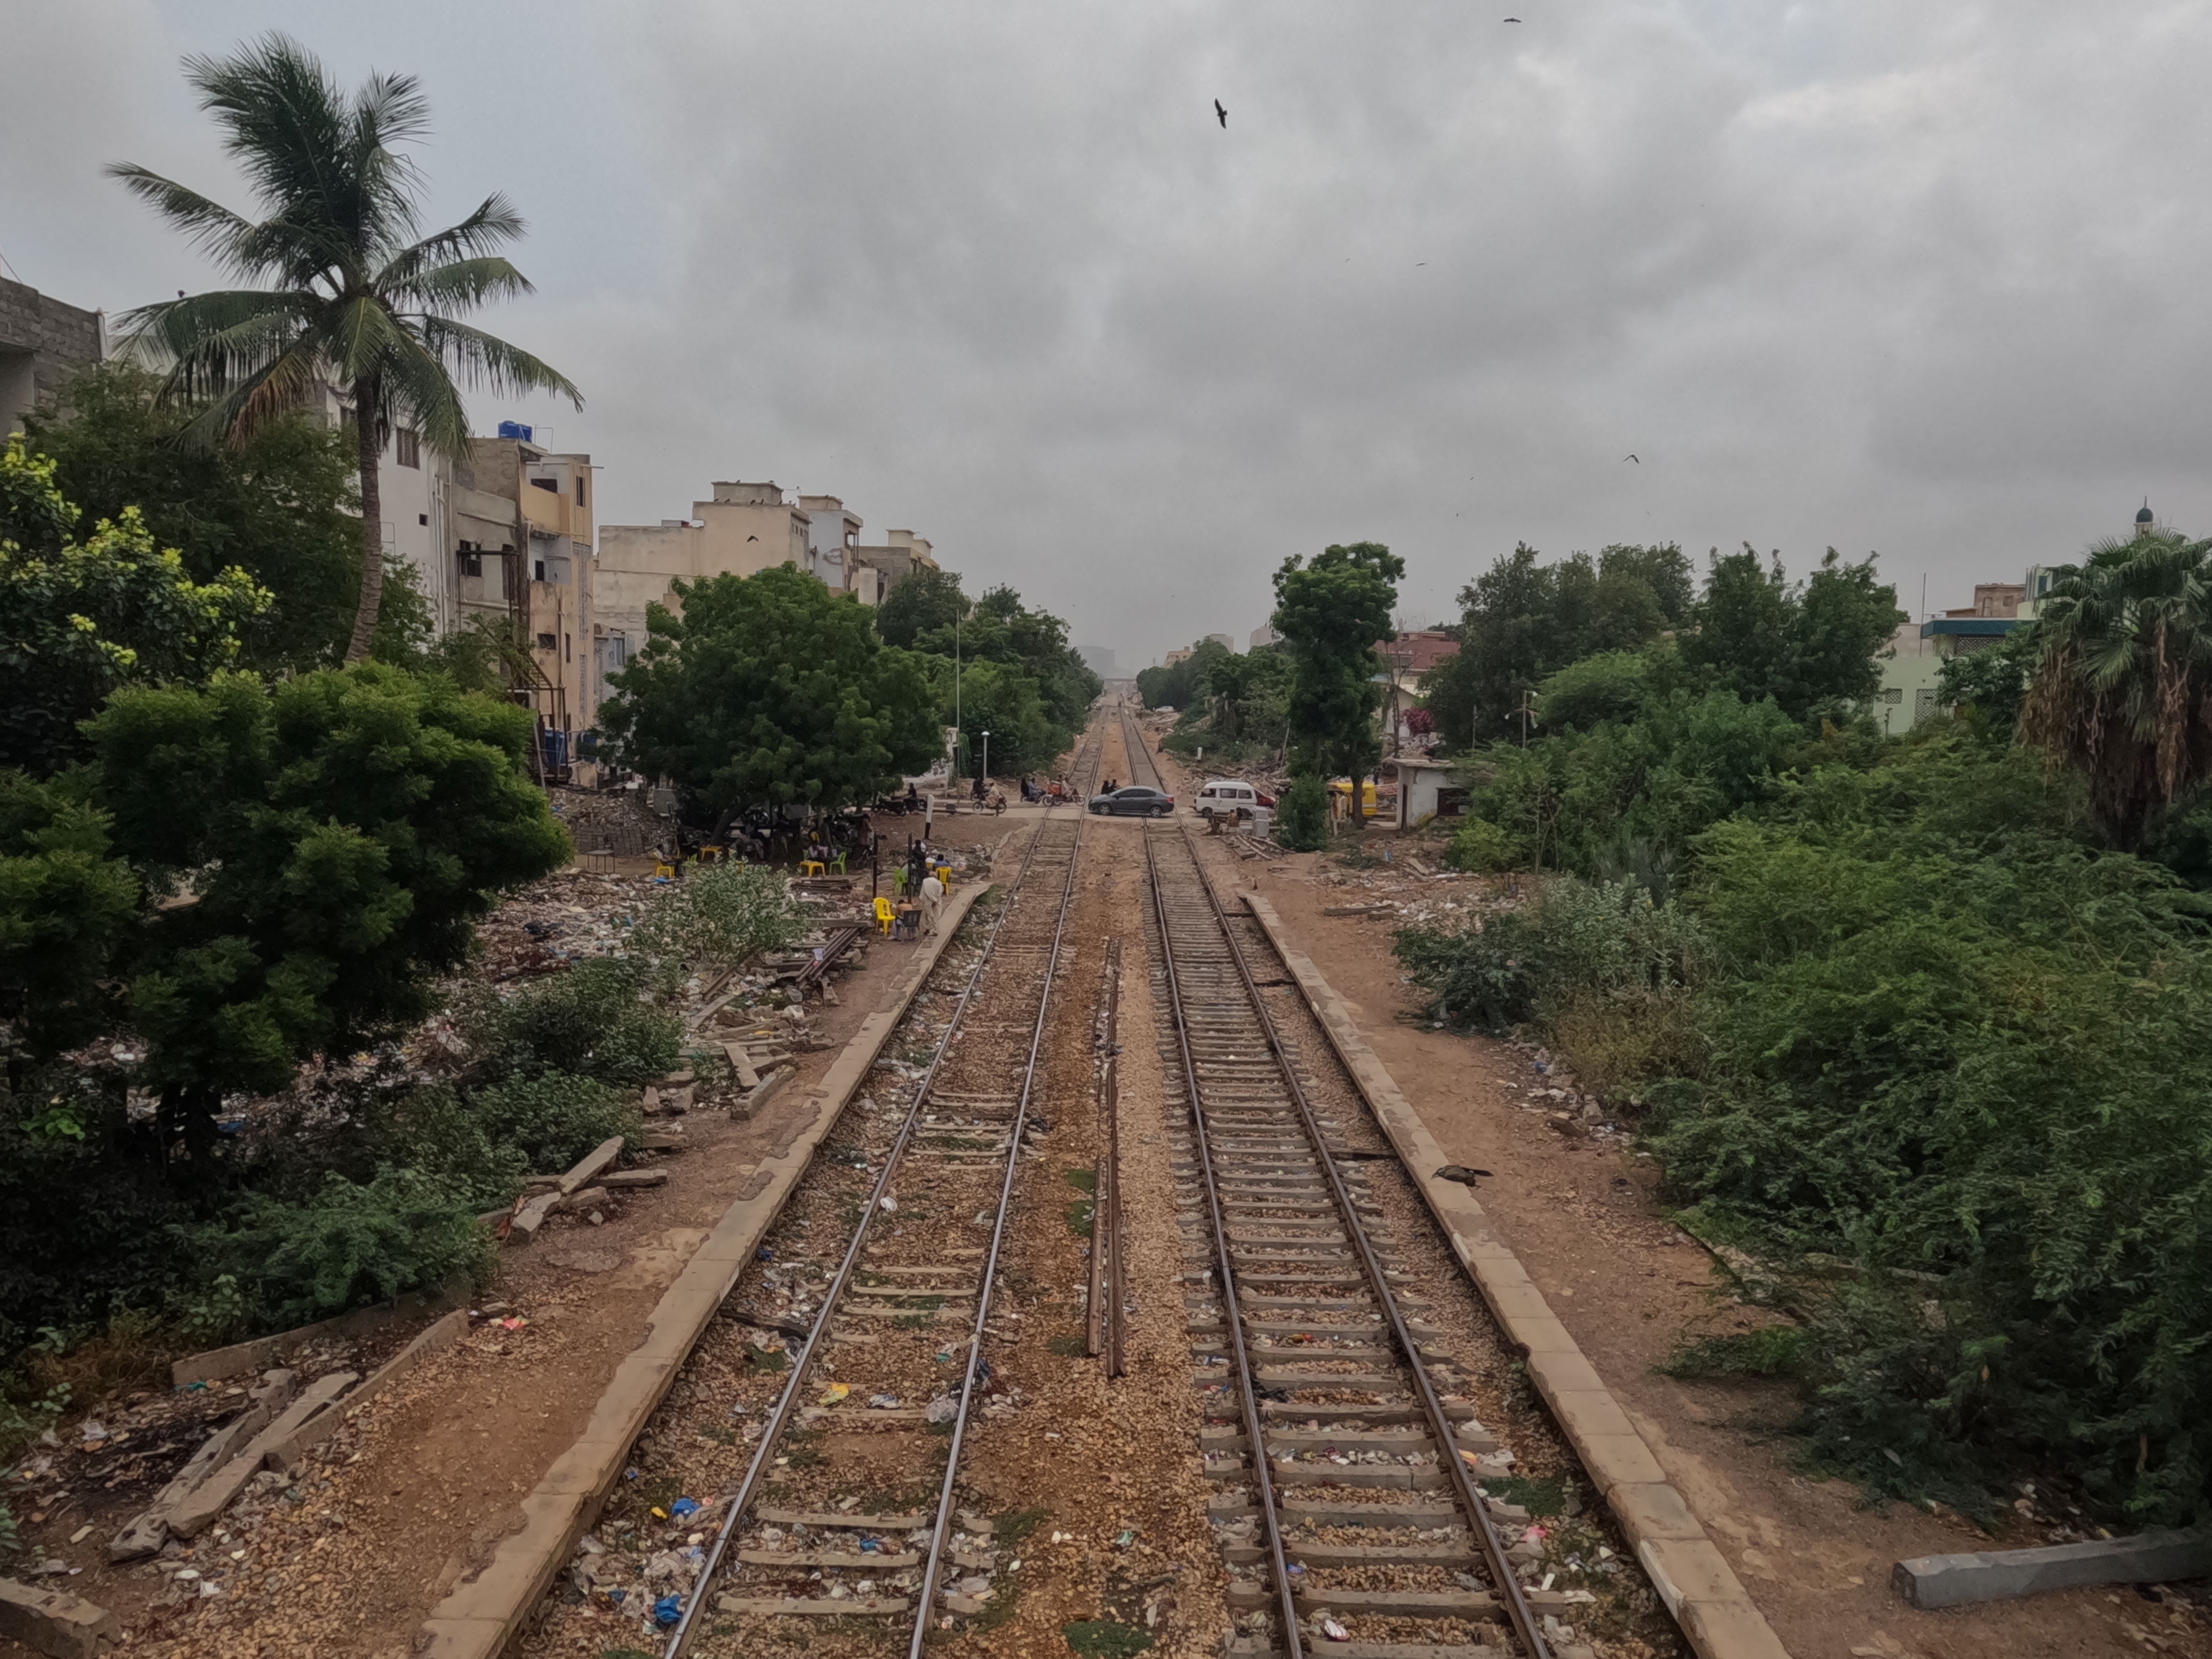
(2143, 520)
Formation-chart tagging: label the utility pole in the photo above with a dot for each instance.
(1526, 714)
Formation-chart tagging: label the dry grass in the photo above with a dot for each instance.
(1616, 1044)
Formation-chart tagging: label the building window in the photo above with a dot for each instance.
(580, 489)
(1892, 694)
(546, 641)
(410, 445)
(551, 486)
(541, 570)
(471, 563)
(422, 518)
(567, 647)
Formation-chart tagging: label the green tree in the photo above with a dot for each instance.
(278, 504)
(66, 906)
(1179, 685)
(921, 602)
(1813, 648)
(2122, 690)
(1001, 699)
(355, 294)
(770, 690)
(78, 619)
(1000, 628)
(318, 851)
(1330, 611)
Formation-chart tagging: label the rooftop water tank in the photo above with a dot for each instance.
(514, 429)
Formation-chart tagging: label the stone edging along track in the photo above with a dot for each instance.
(483, 1613)
(1689, 1571)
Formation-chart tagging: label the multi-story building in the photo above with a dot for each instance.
(833, 537)
(42, 342)
(872, 572)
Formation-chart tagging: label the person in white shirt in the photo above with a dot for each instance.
(932, 900)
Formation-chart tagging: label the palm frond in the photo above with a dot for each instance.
(359, 335)
(479, 359)
(212, 227)
(420, 391)
(461, 285)
(239, 409)
(490, 227)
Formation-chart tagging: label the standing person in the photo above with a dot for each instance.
(917, 865)
(932, 901)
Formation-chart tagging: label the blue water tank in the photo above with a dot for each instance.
(556, 748)
(514, 429)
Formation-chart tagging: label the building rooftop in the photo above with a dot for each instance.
(1968, 625)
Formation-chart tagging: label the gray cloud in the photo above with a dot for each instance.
(1881, 275)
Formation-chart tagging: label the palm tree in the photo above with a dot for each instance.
(353, 295)
(2123, 689)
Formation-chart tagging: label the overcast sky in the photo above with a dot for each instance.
(1925, 280)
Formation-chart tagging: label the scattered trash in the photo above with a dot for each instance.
(1126, 1537)
(883, 1402)
(887, 1202)
(512, 1323)
(667, 1610)
(682, 1507)
(1334, 1631)
(943, 1409)
(834, 1393)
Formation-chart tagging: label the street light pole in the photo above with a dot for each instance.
(986, 774)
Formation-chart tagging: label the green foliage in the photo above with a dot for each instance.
(1609, 941)
(1030, 649)
(594, 1021)
(78, 619)
(717, 916)
(1987, 686)
(337, 835)
(1812, 647)
(403, 1230)
(1610, 686)
(1769, 1350)
(339, 199)
(65, 909)
(1952, 1037)
(1101, 1638)
(921, 602)
(771, 690)
(1302, 815)
(278, 504)
(1480, 846)
(1523, 621)
(2122, 685)
(470, 1144)
(553, 1119)
(1002, 699)
(1182, 685)
(1330, 611)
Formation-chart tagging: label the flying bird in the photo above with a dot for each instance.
(1223, 113)
(1512, 19)
(753, 538)
(1631, 458)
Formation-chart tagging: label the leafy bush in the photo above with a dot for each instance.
(1951, 1038)
(592, 1021)
(435, 1129)
(1577, 946)
(1301, 816)
(349, 1245)
(553, 1119)
(718, 916)
(1480, 846)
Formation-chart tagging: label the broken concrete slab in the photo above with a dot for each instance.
(601, 1156)
(149, 1529)
(216, 1493)
(220, 1365)
(742, 1064)
(590, 1199)
(435, 1340)
(531, 1216)
(52, 1621)
(621, 1178)
(1956, 1581)
(760, 1093)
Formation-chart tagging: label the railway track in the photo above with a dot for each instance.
(1362, 1528)
(1143, 768)
(882, 1336)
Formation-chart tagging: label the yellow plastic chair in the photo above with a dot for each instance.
(712, 855)
(663, 870)
(809, 867)
(884, 915)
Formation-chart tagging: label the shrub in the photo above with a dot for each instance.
(592, 1021)
(1302, 818)
(349, 1245)
(718, 916)
(1480, 846)
(434, 1128)
(553, 1119)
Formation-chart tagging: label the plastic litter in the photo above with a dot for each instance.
(683, 1506)
(883, 1402)
(887, 1203)
(834, 1393)
(943, 1409)
(667, 1610)
(1334, 1631)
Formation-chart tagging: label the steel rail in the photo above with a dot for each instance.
(1108, 1293)
(1231, 1320)
(1509, 1584)
(925, 1606)
(772, 1432)
(1132, 742)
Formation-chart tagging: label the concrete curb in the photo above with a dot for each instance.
(1958, 1581)
(483, 1613)
(1689, 1571)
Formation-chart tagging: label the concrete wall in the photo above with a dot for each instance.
(42, 342)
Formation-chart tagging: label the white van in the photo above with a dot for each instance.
(1229, 798)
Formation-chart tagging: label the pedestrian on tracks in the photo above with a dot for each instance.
(932, 901)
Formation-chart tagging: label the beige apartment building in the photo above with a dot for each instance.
(743, 530)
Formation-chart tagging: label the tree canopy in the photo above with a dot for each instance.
(78, 619)
(921, 602)
(355, 294)
(1813, 646)
(1330, 611)
(770, 690)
